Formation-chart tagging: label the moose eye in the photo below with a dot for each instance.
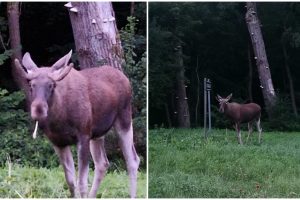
(32, 85)
(51, 86)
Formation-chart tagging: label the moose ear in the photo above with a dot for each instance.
(61, 68)
(218, 97)
(28, 63)
(59, 74)
(62, 62)
(229, 97)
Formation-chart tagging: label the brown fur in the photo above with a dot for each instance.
(79, 107)
(241, 113)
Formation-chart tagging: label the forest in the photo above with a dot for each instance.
(45, 31)
(192, 41)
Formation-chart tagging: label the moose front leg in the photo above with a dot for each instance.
(66, 160)
(83, 165)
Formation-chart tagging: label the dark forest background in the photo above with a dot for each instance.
(216, 44)
(47, 34)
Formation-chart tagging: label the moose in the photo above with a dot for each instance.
(241, 113)
(78, 108)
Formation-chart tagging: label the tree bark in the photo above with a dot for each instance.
(13, 15)
(254, 29)
(95, 33)
(182, 104)
(290, 79)
(250, 74)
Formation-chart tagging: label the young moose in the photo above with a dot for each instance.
(79, 107)
(241, 113)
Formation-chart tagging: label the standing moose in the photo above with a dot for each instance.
(80, 107)
(241, 113)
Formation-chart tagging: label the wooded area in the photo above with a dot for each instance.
(45, 30)
(248, 49)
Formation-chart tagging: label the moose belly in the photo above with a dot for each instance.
(62, 136)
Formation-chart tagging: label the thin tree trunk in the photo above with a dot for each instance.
(95, 33)
(13, 15)
(290, 79)
(250, 75)
(260, 57)
(182, 101)
(168, 115)
(198, 97)
(132, 8)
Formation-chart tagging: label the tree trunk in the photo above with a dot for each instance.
(290, 79)
(13, 15)
(182, 104)
(250, 74)
(168, 115)
(260, 57)
(95, 33)
(198, 96)
(132, 8)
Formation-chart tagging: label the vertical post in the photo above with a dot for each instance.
(205, 107)
(208, 88)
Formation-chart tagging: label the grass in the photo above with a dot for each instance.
(27, 182)
(182, 164)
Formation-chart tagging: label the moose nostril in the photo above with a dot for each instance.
(39, 110)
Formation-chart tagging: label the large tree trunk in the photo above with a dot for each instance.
(290, 79)
(13, 15)
(95, 33)
(253, 24)
(182, 104)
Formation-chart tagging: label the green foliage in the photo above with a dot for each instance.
(28, 182)
(135, 69)
(16, 140)
(184, 165)
(283, 118)
(5, 55)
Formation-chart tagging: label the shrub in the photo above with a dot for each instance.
(16, 142)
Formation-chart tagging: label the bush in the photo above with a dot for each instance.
(16, 140)
(283, 118)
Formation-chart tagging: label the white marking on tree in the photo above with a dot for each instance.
(270, 85)
(75, 10)
(68, 5)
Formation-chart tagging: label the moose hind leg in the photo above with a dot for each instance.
(66, 160)
(250, 129)
(259, 129)
(129, 152)
(101, 164)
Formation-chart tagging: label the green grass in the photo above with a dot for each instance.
(183, 164)
(26, 182)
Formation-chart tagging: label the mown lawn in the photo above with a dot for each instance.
(183, 164)
(26, 182)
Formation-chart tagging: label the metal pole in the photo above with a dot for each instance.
(204, 92)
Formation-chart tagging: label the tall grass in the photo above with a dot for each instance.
(183, 164)
(28, 182)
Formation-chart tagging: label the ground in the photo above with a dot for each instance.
(183, 164)
(28, 182)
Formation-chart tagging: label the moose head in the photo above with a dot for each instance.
(42, 82)
(223, 102)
